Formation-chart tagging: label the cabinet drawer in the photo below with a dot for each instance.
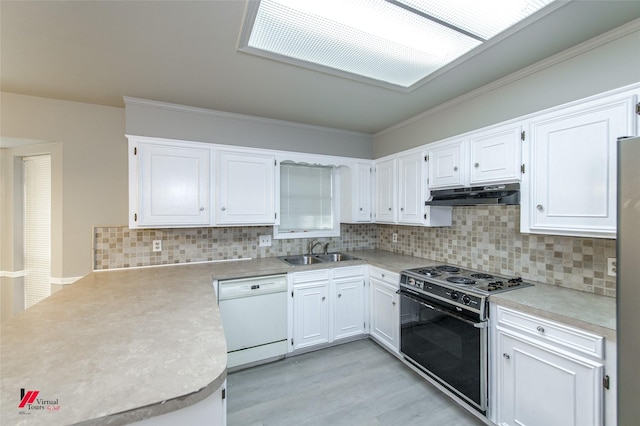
(384, 275)
(348, 271)
(309, 276)
(552, 332)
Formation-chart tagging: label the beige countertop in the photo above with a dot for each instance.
(119, 346)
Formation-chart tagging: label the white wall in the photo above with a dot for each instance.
(605, 63)
(148, 118)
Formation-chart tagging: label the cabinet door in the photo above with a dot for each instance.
(386, 191)
(539, 386)
(384, 314)
(495, 155)
(348, 307)
(169, 185)
(446, 165)
(411, 193)
(246, 193)
(356, 193)
(572, 182)
(310, 314)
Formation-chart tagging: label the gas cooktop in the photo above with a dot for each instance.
(473, 281)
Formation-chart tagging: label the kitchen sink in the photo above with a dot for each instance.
(335, 257)
(306, 259)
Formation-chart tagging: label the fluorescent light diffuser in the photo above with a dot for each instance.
(388, 42)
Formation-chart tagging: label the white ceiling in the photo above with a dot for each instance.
(185, 52)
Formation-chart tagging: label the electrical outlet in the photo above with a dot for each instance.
(612, 266)
(157, 245)
(264, 240)
(395, 238)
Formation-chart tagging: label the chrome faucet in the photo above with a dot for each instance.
(312, 244)
(326, 248)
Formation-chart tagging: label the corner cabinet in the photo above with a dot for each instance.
(169, 184)
(401, 191)
(327, 305)
(569, 185)
(547, 374)
(356, 191)
(246, 184)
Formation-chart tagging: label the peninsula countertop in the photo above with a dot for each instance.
(123, 345)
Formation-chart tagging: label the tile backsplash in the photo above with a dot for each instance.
(487, 238)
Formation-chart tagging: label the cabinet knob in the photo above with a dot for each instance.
(539, 207)
(393, 303)
(201, 209)
(223, 209)
(339, 295)
(389, 208)
(455, 169)
(360, 208)
(401, 209)
(540, 329)
(476, 165)
(382, 275)
(506, 356)
(323, 298)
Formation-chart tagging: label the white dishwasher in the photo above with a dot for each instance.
(254, 317)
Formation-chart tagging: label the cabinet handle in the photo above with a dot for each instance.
(360, 208)
(540, 329)
(201, 209)
(339, 295)
(506, 356)
(455, 169)
(323, 298)
(393, 303)
(223, 208)
(476, 165)
(539, 207)
(389, 208)
(401, 209)
(382, 275)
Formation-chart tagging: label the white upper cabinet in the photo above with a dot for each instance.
(569, 185)
(169, 184)
(446, 164)
(356, 192)
(487, 156)
(386, 191)
(411, 188)
(246, 184)
(401, 192)
(495, 155)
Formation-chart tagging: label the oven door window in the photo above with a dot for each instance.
(446, 347)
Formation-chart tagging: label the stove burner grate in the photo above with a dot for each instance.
(447, 268)
(460, 280)
(482, 276)
(427, 272)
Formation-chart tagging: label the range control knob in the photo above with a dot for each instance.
(466, 299)
(454, 295)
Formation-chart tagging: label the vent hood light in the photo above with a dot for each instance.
(395, 43)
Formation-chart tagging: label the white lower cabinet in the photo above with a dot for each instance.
(327, 305)
(384, 318)
(547, 374)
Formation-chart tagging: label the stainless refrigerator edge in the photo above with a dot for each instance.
(628, 281)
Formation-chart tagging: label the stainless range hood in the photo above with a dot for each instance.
(477, 195)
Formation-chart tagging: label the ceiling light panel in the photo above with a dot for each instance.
(394, 42)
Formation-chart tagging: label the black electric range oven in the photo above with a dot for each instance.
(444, 326)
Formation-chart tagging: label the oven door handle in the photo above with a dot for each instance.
(481, 324)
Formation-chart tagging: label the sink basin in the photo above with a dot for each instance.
(305, 259)
(302, 259)
(335, 257)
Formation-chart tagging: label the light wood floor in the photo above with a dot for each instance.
(357, 383)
